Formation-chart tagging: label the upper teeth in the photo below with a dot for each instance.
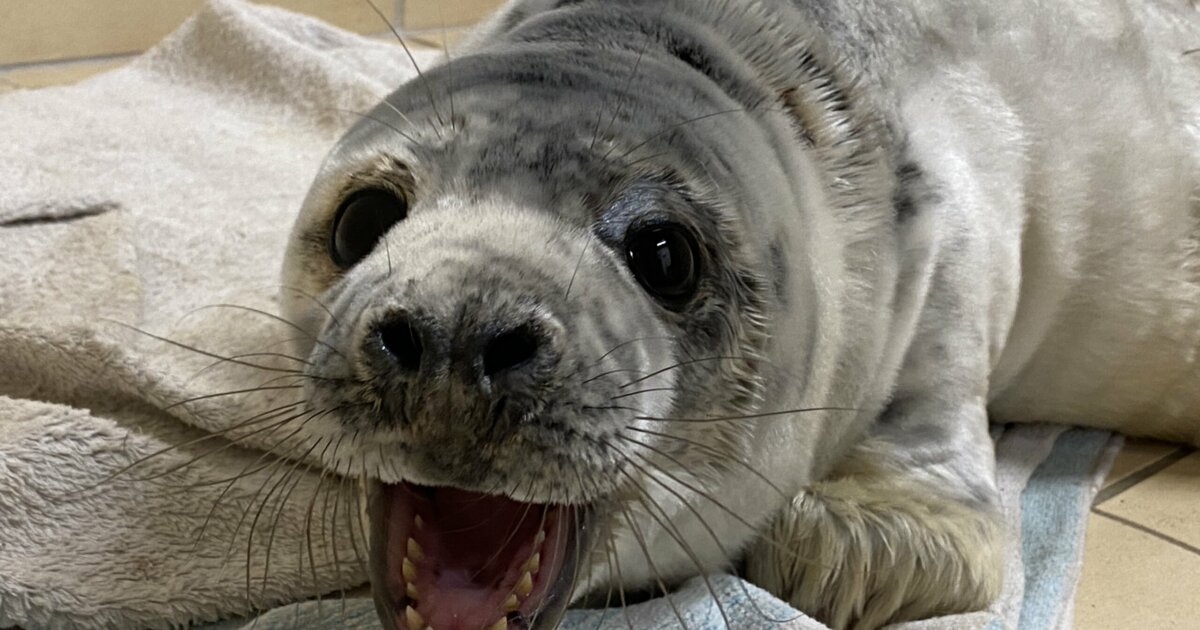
(531, 565)
(524, 585)
(414, 550)
(414, 619)
(409, 570)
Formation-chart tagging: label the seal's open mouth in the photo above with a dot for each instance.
(448, 559)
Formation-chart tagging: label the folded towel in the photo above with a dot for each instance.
(138, 486)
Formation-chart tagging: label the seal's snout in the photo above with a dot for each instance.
(510, 351)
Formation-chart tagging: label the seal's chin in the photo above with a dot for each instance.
(449, 559)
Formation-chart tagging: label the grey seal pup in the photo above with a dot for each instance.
(629, 292)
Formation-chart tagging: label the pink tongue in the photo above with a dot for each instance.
(461, 558)
(481, 536)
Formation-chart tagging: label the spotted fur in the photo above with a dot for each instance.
(913, 216)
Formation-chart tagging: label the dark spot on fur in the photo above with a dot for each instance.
(790, 98)
(779, 271)
(910, 185)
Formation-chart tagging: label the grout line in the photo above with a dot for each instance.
(436, 31)
(1142, 474)
(72, 61)
(1146, 530)
(428, 43)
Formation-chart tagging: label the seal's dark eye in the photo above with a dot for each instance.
(665, 259)
(363, 218)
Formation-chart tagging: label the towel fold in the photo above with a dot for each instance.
(143, 215)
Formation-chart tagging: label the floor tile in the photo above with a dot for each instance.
(1136, 455)
(42, 75)
(423, 14)
(1168, 502)
(71, 29)
(84, 28)
(356, 15)
(1125, 584)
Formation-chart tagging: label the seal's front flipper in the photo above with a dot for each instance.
(877, 545)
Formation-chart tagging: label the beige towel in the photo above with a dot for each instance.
(139, 197)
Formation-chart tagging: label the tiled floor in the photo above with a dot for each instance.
(1141, 566)
(1142, 556)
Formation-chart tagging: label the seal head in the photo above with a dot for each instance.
(539, 284)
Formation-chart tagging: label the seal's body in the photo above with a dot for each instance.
(641, 290)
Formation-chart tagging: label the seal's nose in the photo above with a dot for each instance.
(483, 355)
(400, 338)
(509, 350)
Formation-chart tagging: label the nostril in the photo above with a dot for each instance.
(508, 350)
(402, 341)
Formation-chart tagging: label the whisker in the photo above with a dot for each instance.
(616, 558)
(611, 351)
(712, 533)
(609, 373)
(558, 552)
(412, 60)
(207, 436)
(637, 534)
(578, 262)
(230, 482)
(721, 506)
(232, 392)
(449, 66)
(717, 454)
(254, 525)
(673, 532)
(283, 320)
(631, 341)
(251, 355)
(283, 501)
(581, 561)
(224, 447)
(313, 299)
(612, 408)
(647, 158)
(359, 556)
(308, 516)
(608, 596)
(677, 126)
(242, 474)
(379, 122)
(332, 521)
(274, 465)
(642, 391)
(363, 529)
(196, 350)
(637, 64)
(678, 365)
(752, 416)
